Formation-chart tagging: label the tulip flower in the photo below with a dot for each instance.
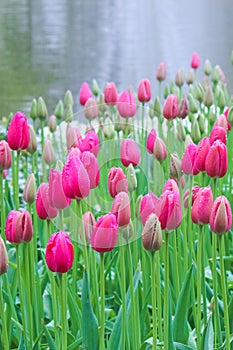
(170, 185)
(75, 179)
(201, 153)
(57, 196)
(168, 210)
(117, 181)
(32, 147)
(105, 232)
(88, 223)
(144, 91)
(84, 93)
(48, 153)
(152, 234)
(195, 61)
(110, 94)
(188, 163)
(179, 78)
(5, 155)
(126, 104)
(73, 151)
(218, 133)
(19, 226)
(73, 136)
(29, 192)
(59, 254)
(175, 166)
(52, 123)
(92, 168)
(129, 152)
(159, 150)
(195, 190)
(202, 206)
(121, 208)
(221, 216)
(91, 109)
(222, 121)
(147, 206)
(4, 257)
(43, 206)
(171, 107)
(216, 163)
(90, 143)
(18, 136)
(183, 108)
(161, 72)
(151, 141)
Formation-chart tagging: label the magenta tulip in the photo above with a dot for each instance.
(171, 107)
(195, 190)
(104, 235)
(202, 206)
(121, 209)
(90, 143)
(188, 163)
(201, 153)
(218, 133)
(75, 179)
(19, 226)
(221, 216)
(84, 94)
(222, 121)
(144, 91)
(73, 151)
(117, 181)
(57, 196)
(59, 254)
(92, 167)
(110, 94)
(126, 104)
(88, 223)
(129, 152)
(18, 135)
(168, 210)
(216, 163)
(151, 141)
(147, 206)
(43, 206)
(195, 61)
(5, 155)
(160, 150)
(170, 185)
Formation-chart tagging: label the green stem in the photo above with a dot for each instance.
(95, 283)
(166, 294)
(123, 293)
(83, 237)
(153, 295)
(75, 235)
(63, 295)
(177, 276)
(159, 297)
(5, 338)
(102, 301)
(16, 183)
(189, 230)
(29, 288)
(2, 207)
(224, 293)
(199, 278)
(143, 122)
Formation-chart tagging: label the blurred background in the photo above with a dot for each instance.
(47, 47)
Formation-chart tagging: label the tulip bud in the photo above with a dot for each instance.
(59, 110)
(84, 93)
(95, 88)
(157, 107)
(147, 206)
(73, 136)
(188, 164)
(190, 78)
(68, 99)
(33, 110)
(193, 107)
(105, 233)
(221, 99)
(201, 123)
(198, 92)
(222, 122)
(137, 205)
(5, 155)
(208, 97)
(221, 216)
(151, 141)
(195, 61)
(102, 107)
(171, 107)
(179, 78)
(159, 150)
(202, 206)
(19, 226)
(121, 209)
(90, 143)
(216, 75)
(216, 163)
(59, 254)
(110, 94)
(170, 185)
(4, 257)
(144, 91)
(48, 153)
(44, 209)
(117, 181)
(230, 115)
(181, 134)
(131, 178)
(74, 151)
(92, 168)
(108, 129)
(184, 108)
(91, 109)
(68, 115)
(41, 109)
(52, 123)
(126, 104)
(161, 72)
(218, 133)
(207, 67)
(169, 210)
(166, 91)
(32, 147)
(56, 193)
(201, 153)
(195, 132)
(29, 192)
(88, 223)
(175, 166)
(18, 136)
(129, 152)
(152, 234)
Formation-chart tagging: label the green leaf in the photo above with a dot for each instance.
(75, 344)
(89, 320)
(208, 335)
(50, 340)
(230, 311)
(75, 313)
(180, 346)
(114, 342)
(180, 323)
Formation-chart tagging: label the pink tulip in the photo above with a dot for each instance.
(160, 150)
(91, 109)
(90, 143)
(57, 196)
(226, 114)
(48, 155)
(161, 72)
(4, 257)
(104, 235)
(5, 155)
(18, 135)
(126, 104)
(168, 210)
(19, 226)
(171, 107)
(202, 206)
(147, 206)
(88, 223)
(73, 151)
(218, 133)
(188, 163)
(183, 108)
(195, 61)
(43, 206)
(201, 153)
(170, 185)
(121, 209)
(195, 190)
(59, 254)
(5, 173)
(110, 94)
(129, 152)
(92, 168)
(151, 141)
(117, 181)
(152, 234)
(73, 137)
(216, 163)
(75, 179)
(144, 91)
(222, 121)
(221, 216)
(84, 94)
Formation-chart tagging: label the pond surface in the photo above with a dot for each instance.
(47, 47)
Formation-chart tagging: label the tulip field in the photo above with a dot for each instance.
(116, 217)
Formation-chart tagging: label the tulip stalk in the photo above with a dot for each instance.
(123, 292)
(102, 301)
(5, 338)
(159, 297)
(153, 295)
(199, 285)
(83, 237)
(2, 206)
(63, 301)
(166, 293)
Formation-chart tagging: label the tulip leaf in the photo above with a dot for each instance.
(208, 335)
(75, 313)
(181, 334)
(230, 311)
(180, 346)
(89, 321)
(114, 342)
(49, 338)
